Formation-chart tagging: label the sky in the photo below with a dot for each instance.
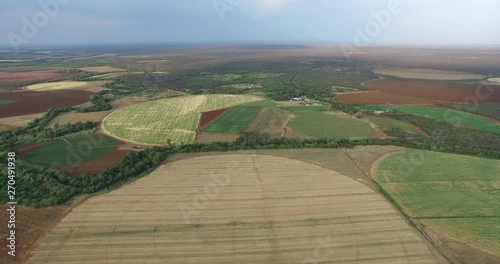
(359, 22)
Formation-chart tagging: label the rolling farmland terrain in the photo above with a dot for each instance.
(445, 115)
(175, 119)
(261, 209)
(252, 154)
(459, 195)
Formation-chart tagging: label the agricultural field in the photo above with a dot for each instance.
(234, 120)
(72, 151)
(388, 123)
(456, 194)
(494, 80)
(175, 119)
(271, 121)
(329, 125)
(490, 110)
(16, 122)
(28, 76)
(30, 102)
(436, 91)
(54, 86)
(428, 74)
(262, 209)
(444, 115)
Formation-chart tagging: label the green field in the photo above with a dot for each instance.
(486, 109)
(176, 119)
(444, 115)
(2, 102)
(459, 195)
(235, 120)
(387, 123)
(329, 125)
(72, 151)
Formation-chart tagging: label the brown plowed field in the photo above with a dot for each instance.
(26, 103)
(210, 116)
(378, 97)
(13, 77)
(105, 162)
(436, 90)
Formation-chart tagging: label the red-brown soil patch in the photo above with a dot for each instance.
(378, 97)
(437, 91)
(26, 102)
(23, 150)
(14, 77)
(31, 225)
(94, 166)
(210, 116)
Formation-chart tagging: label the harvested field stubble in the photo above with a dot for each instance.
(261, 209)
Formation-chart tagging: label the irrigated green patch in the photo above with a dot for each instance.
(387, 123)
(460, 195)
(235, 120)
(72, 151)
(2, 102)
(329, 125)
(444, 115)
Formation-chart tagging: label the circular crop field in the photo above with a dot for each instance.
(236, 208)
(72, 151)
(54, 86)
(174, 119)
(458, 195)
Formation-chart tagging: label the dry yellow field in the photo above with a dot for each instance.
(236, 208)
(54, 86)
(428, 74)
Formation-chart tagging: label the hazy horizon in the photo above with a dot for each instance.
(413, 23)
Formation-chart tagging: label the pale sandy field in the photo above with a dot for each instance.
(236, 208)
